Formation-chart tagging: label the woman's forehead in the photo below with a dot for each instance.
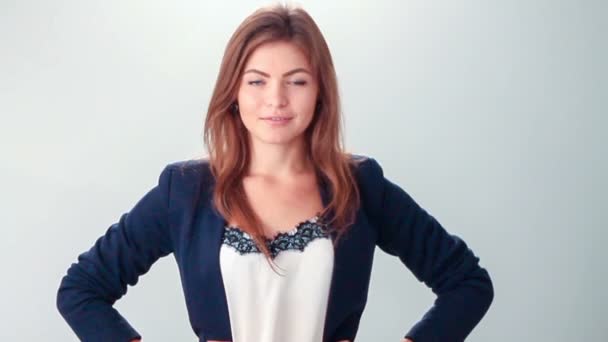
(278, 58)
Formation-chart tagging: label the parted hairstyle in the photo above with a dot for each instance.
(226, 137)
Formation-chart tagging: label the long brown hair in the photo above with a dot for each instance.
(226, 136)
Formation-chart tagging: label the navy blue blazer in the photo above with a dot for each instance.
(176, 216)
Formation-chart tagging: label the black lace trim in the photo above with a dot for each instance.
(295, 239)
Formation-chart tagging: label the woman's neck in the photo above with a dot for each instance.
(279, 161)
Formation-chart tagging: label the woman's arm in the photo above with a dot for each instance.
(127, 250)
(442, 261)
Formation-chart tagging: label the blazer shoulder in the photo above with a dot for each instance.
(190, 164)
(370, 181)
(365, 167)
(189, 171)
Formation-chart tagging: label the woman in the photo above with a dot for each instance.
(274, 232)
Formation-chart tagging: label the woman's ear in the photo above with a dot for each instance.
(318, 106)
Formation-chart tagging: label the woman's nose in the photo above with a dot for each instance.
(276, 96)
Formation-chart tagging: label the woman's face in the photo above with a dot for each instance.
(277, 94)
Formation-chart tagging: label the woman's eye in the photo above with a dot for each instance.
(261, 82)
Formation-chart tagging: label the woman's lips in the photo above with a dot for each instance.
(277, 120)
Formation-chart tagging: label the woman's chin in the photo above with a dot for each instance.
(277, 139)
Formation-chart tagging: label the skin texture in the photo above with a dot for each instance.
(280, 183)
(277, 92)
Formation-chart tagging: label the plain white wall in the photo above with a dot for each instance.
(491, 114)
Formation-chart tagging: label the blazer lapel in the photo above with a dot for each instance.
(205, 272)
(350, 277)
(215, 315)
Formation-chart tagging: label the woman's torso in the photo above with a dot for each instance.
(288, 300)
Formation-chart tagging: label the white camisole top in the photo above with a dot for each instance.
(268, 307)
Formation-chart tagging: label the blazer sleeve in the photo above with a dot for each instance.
(441, 260)
(100, 276)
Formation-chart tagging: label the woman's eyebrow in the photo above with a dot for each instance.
(291, 72)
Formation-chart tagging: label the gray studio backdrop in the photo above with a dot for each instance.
(491, 114)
